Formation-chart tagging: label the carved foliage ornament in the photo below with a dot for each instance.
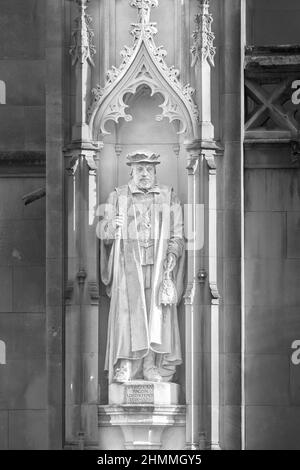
(82, 49)
(144, 64)
(203, 47)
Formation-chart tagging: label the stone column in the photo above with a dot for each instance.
(202, 300)
(214, 443)
(232, 99)
(193, 330)
(82, 252)
(202, 311)
(82, 297)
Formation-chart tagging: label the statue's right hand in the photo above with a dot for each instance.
(117, 221)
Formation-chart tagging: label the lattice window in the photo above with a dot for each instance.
(268, 109)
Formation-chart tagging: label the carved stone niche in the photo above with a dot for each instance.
(143, 64)
(142, 415)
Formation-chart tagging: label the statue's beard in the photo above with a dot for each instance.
(145, 183)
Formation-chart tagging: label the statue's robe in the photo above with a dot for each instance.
(132, 330)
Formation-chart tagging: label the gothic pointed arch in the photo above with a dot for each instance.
(143, 64)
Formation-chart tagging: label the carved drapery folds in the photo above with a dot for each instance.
(203, 48)
(143, 64)
(82, 49)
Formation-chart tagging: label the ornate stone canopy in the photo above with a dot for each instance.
(143, 64)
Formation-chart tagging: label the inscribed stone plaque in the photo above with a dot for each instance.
(139, 393)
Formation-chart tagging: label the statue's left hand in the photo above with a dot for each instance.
(170, 262)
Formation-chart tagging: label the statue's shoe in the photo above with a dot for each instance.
(122, 375)
(152, 375)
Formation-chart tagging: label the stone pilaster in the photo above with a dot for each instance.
(193, 329)
(81, 293)
(232, 54)
(203, 420)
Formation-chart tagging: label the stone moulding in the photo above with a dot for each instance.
(20, 158)
(141, 414)
(269, 56)
(143, 64)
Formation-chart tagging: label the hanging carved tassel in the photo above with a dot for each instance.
(167, 292)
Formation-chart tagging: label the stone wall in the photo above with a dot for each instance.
(272, 246)
(273, 22)
(22, 229)
(272, 276)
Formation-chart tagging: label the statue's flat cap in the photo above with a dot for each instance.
(142, 156)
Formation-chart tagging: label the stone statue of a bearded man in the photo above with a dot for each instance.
(142, 265)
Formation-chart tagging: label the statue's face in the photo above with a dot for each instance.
(143, 175)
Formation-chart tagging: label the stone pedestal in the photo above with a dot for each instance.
(141, 427)
(142, 415)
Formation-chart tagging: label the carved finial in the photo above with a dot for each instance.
(144, 9)
(83, 49)
(203, 48)
(144, 27)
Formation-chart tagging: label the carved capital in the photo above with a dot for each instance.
(87, 151)
(90, 160)
(82, 49)
(210, 158)
(194, 155)
(192, 166)
(203, 48)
